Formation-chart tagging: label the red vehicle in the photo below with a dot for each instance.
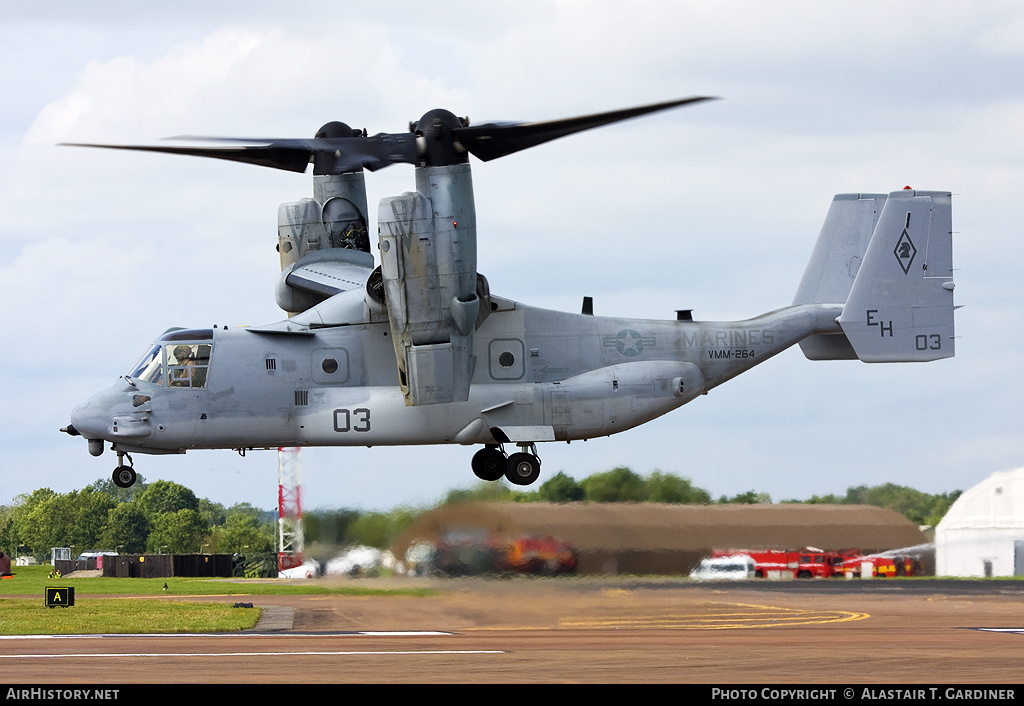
(470, 552)
(818, 564)
(811, 563)
(780, 564)
(540, 555)
(858, 566)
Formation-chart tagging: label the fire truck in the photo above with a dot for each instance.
(876, 566)
(469, 552)
(808, 563)
(540, 555)
(811, 563)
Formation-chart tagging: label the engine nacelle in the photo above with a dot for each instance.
(428, 265)
(336, 218)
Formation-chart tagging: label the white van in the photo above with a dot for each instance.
(724, 568)
(84, 556)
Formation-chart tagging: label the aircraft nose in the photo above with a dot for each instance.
(88, 420)
(118, 414)
(92, 418)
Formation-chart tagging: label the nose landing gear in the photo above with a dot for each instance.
(522, 468)
(124, 476)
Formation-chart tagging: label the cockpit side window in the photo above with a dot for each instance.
(150, 367)
(179, 358)
(188, 364)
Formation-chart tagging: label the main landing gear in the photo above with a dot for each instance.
(124, 476)
(521, 468)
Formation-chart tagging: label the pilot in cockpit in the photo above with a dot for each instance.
(183, 368)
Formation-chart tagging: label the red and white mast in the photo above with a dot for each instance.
(289, 498)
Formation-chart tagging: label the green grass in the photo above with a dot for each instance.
(28, 616)
(111, 605)
(31, 580)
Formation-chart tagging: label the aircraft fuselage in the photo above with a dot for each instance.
(539, 375)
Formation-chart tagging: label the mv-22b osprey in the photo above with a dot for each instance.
(417, 350)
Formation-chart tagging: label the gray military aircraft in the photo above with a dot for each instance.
(417, 350)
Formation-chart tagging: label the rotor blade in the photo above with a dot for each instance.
(344, 154)
(288, 159)
(493, 140)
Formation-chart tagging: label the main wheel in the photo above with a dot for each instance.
(124, 476)
(522, 468)
(489, 463)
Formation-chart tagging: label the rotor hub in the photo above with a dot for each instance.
(326, 162)
(436, 141)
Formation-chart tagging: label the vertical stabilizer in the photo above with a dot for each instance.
(901, 305)
(834, 264)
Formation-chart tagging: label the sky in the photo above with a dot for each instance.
(714, 208)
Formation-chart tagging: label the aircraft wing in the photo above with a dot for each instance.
(329, 272)
(323, 288)
(321, 274)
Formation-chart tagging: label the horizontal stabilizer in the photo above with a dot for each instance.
(900, 307)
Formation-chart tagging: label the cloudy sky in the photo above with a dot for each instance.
(714, 208)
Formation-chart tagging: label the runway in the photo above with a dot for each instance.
(544, 631)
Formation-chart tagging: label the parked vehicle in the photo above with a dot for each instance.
(880, 566)
(725, 568)
(781, 564)
(811, 563)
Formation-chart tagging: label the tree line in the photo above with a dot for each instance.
(624, 485)
(921, 508)
(165, 517)
(157, 518)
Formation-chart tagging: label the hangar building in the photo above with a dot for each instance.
(983, 532)
(652, 538)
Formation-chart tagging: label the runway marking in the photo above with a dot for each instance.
(1015, 631)
(340, 633)
(163, 655)
(307, 653)
(752, 616)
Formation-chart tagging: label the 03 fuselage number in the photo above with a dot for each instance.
(352, 420)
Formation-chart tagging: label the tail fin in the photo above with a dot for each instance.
(834, 264)
(900, 307)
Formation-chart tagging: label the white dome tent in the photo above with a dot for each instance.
(983, 532)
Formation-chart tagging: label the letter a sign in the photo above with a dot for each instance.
(62, 597)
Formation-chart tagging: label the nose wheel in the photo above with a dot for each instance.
(124, 475)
